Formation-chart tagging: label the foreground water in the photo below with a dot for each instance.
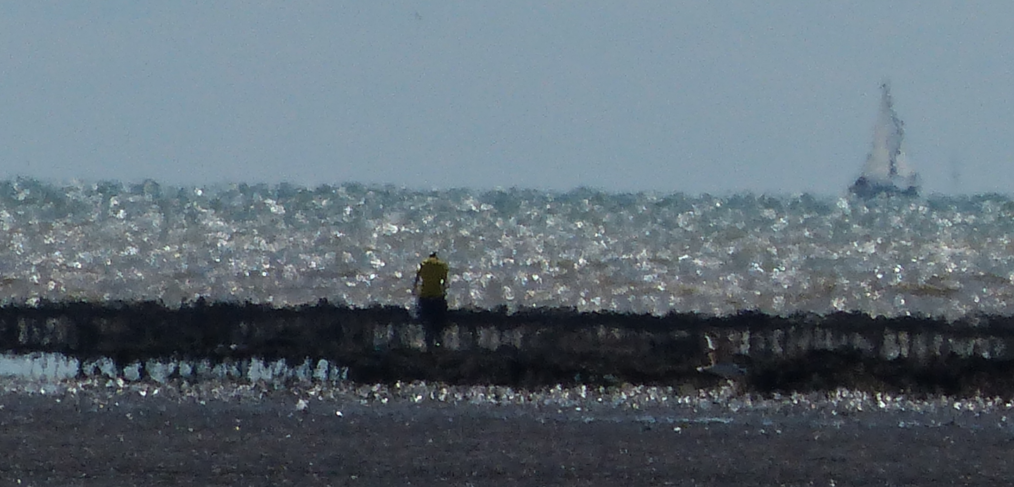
(591, 250)
(321, 388)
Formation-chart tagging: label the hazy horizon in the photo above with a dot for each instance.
(654, 96)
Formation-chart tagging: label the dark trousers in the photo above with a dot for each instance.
(432, 314)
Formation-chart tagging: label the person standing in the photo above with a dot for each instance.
(432, 297)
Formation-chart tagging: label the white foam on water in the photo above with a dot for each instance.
(42, 367)
(159, 371)
(104, 366)
(55, 367)
(132, 372)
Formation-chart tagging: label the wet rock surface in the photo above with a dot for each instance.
(534, 348)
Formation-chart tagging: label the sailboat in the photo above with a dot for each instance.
(886, 170)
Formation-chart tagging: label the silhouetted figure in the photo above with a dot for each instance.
(432, 304)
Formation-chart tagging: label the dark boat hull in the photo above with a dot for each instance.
(864, 188)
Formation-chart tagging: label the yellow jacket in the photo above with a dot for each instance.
(433, 273)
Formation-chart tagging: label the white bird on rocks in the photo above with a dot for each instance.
(725, 370)
(718, 363)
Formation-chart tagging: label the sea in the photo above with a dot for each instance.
(585, 249)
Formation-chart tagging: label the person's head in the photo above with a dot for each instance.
(433, 255)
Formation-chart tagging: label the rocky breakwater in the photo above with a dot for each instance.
(536, 347)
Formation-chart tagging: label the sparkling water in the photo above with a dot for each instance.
(586, 249)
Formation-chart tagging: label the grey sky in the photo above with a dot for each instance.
(764, 96)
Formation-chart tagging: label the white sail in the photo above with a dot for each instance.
(887, 169)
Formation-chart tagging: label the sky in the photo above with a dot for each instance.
(670, 96)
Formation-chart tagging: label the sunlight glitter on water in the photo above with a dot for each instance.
(645, 252)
